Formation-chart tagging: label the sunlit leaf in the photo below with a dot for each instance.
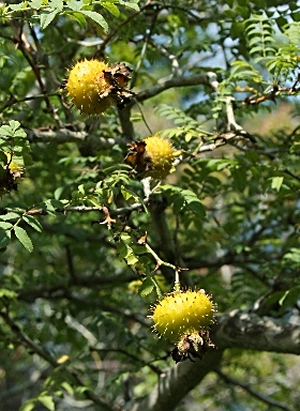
(24, 238)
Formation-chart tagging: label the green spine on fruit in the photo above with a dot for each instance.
(182, 312)
(86, 84)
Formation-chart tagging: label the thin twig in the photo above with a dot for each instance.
(143, 117)
(43, 353)
(231, 122)
(136, 358)
(121, 25)
(170, 56)
(264, 398)
(27, 341)
(91, 282)
(147, 38)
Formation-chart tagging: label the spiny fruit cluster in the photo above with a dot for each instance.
(184, 317)
(182, 312)
(10, 174)
(154, 156)
(93, 86)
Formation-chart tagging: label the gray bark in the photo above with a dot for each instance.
(248, 331)
(176, 382)
(235, 329)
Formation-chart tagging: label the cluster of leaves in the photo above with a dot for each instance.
(270, 60)
(49, 10)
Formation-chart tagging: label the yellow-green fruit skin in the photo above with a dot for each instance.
(161, 155)
(182, 312)
(85, 85)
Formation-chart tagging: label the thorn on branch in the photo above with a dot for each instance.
(270, 95)
(108, 220)
(231, 122)
(143, 239)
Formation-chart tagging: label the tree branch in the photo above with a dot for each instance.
(64, 135)
(248, 331)
(176, 382)
(92, 282)
(236, 329)
(164, 239)
(126, 123)
(208, 79)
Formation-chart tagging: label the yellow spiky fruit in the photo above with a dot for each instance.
(11, 173)
(86, 84)
(182, 312)
(160, 155)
